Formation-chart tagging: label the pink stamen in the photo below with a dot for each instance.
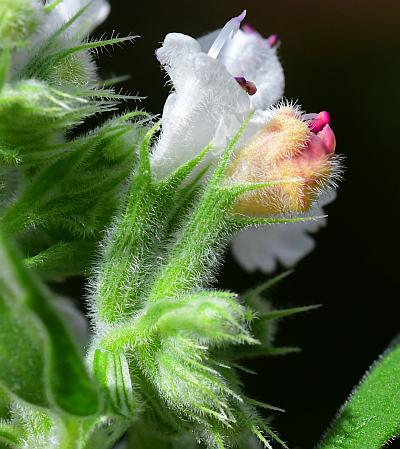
(248, 86)
(273, 40)
(319, 122)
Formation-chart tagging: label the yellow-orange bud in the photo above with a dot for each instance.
(292, 151)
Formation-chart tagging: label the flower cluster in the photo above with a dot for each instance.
(219, 80)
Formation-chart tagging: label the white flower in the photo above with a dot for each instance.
(95, 13)
(208, 104)
(218, 80)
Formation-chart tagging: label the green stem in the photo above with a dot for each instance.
(194, 251)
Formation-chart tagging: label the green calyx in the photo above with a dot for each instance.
(165, 322)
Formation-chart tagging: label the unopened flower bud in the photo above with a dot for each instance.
(293, 153)
(76, 69)
(19, 19)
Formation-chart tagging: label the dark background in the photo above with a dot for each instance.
(342, 56)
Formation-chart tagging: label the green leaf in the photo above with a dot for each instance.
(58, 363)
(371, 416)
(23, 345)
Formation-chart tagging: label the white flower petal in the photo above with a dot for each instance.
(207, 40)
(250, 56)
(263, 247)
(95, 14)
(226, 34)
(207, 104)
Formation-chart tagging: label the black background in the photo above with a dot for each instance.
(342, 56)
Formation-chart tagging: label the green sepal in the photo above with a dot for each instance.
(371, 416)
(255, 293)
(277, 314)
(63, 259)
(79, 191)
(244, 222)
(35, 64)
(263, 326)
(47, 113)
(19, 19)
(112, 372)
(181, 174)
(61, 373)
(44, 65)
(202, 236)
(151, 212)
(240, 189)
